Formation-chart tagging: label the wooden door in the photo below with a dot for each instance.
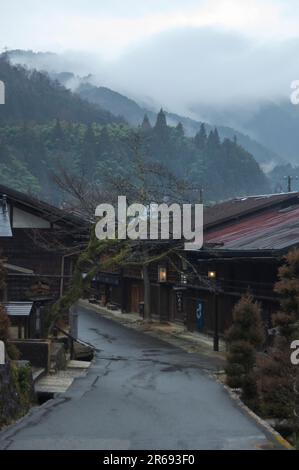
(135, 298)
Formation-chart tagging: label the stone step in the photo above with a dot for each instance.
(62, 379)
(78, 364)
(37, 374)
(53, 384)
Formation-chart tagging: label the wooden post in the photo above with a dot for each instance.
(20, 328)
(2, 353)
(62, 276)
(123, 293)
(147, 292)
(216, 323)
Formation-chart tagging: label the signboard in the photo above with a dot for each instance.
(179, 301)
(200, 314)
(108, 279)
(2, 353)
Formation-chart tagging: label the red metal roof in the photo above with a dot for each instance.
(244, 206)
(275, 229)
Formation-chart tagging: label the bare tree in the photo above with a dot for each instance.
(144, 181)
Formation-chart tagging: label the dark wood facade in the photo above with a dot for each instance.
(177, 302)
(40, 254)
(245, 241)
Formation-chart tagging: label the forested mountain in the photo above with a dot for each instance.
(29, 154)
(45, 129)
(252, 139)
(116, 103)
(32, 96)
(276, 125)
(119, 104)
(272, 123)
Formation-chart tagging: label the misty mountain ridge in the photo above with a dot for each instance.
(133, 113)
(272, 123)
(45, 129)
(121, 105)
(33, 96)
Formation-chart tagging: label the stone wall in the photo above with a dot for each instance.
(16, 391)
(37, 352)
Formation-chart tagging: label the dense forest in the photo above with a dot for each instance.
(44, 128)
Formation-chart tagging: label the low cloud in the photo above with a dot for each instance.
(189, 68)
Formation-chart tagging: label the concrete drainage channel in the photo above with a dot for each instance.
(49, 385)
(43, 397)
(62, 370)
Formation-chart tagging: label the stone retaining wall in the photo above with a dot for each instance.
(16, 391)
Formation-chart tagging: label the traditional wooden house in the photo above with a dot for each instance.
(39, 244)
(245, 241)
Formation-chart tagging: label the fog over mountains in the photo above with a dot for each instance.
(262, 128)
(226, 62)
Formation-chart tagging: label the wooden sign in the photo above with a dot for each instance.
(2, 353)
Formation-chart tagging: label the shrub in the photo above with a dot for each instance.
(250, 391)
(247, 324)
(286, 324)
(242, 353)
(277, 377)
(243, 337)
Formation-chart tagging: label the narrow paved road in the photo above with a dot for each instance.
(140, 393)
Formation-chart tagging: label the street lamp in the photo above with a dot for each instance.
(212, 275)
(162, 274)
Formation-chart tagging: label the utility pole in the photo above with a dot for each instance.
(216, 323)
(289, 179)
(201, 196)
(212, 276)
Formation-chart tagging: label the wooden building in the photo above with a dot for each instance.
(245, 241)
(39, 244)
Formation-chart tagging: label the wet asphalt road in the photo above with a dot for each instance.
(140, 393)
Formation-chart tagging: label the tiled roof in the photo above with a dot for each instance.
(240, 207)
(18, 309)
(52, 213)
(273, 229)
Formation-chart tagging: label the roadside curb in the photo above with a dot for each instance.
(268, 430)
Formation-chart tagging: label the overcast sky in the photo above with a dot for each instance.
(176, 52)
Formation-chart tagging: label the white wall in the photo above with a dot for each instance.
(22, 219)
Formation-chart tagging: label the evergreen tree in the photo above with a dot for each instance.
(146, 125)
(200, 138)
(89, 153)
(105, 142)
(278, 377)
(216, 137)
(180, 130)
(213, 139)
(161, 124)
(57, 131)
(244, 336)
